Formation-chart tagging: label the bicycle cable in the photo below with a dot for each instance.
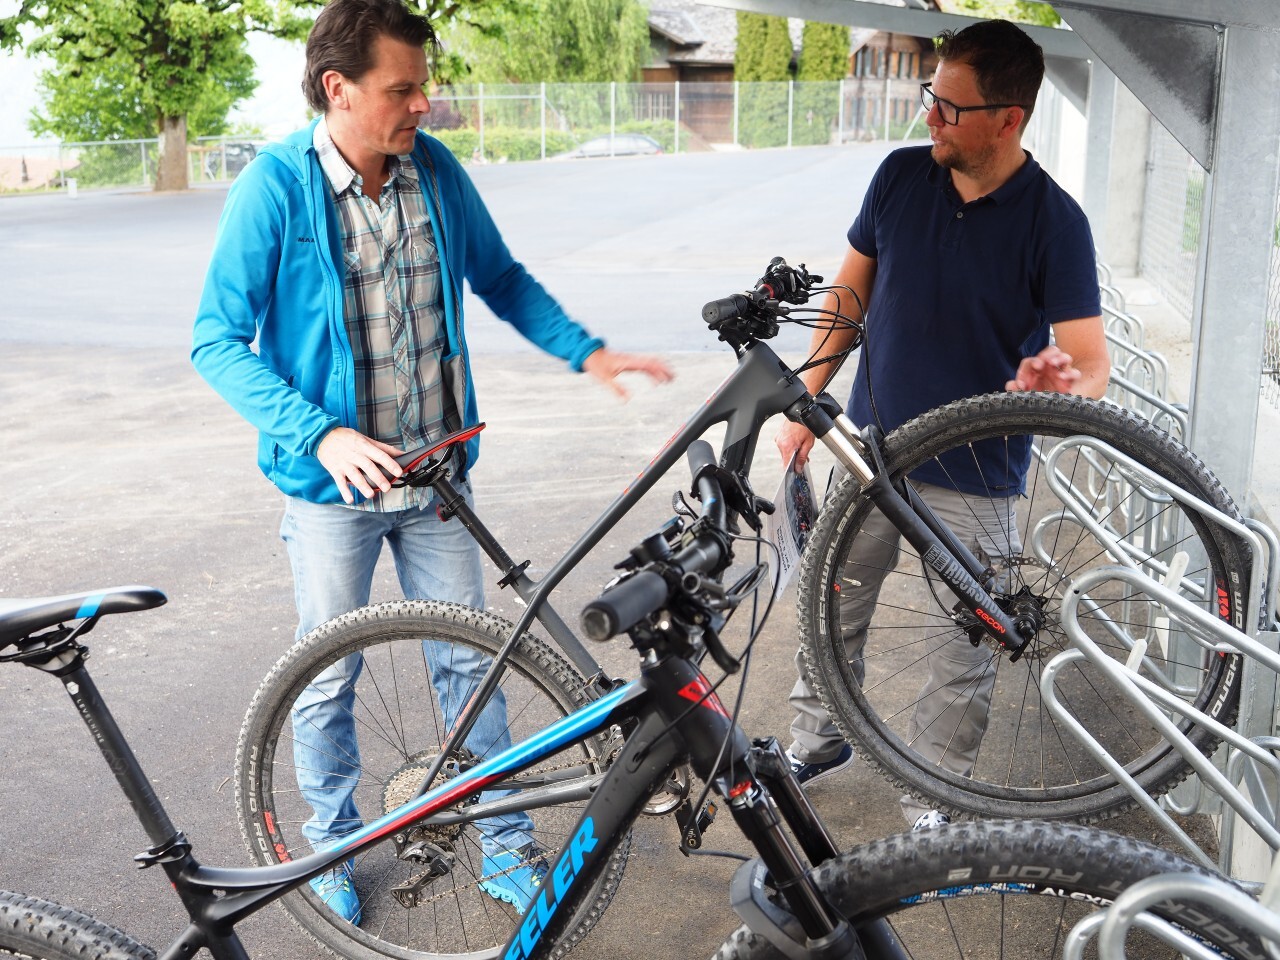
(745, 660)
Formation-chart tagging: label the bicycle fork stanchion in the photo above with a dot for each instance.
(1144, 695)
(937, 546)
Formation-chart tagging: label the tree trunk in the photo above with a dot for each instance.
(172, 172)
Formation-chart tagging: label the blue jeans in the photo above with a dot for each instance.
(333, 551)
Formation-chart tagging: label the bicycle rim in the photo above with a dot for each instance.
(889, 697)
(399, 724)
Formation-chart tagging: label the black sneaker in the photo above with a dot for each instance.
(808, 773)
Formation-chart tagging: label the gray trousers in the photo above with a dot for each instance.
(950, 717)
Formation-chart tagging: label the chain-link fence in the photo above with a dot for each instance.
(114, 163)
(484, 123)
(1171, 242)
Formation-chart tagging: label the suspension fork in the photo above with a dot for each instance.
(771, 768)
(937, 545)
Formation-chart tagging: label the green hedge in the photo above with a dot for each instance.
(515, 144)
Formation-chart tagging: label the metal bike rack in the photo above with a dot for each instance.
(1155, 702)
(1169, 417)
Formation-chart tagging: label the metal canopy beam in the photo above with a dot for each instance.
(1251, 14)
(1071, 77)
(1170, 65)
(906, 20)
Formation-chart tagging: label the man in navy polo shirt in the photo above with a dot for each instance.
(965, 254)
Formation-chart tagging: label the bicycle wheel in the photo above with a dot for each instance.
(41, 930)
(1008, 889)
(911, 696)
(406, 911)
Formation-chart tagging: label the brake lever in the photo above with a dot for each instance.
(723, 658)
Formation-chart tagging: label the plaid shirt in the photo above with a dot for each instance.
(392, 308)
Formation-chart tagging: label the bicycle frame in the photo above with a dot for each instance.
(676, 718)
(761, 387)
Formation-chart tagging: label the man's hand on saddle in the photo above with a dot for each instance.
(1051, 370)
(605, 365)
(354, 460)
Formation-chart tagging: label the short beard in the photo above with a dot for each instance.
(975, 165)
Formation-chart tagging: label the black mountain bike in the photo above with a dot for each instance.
(1019, 886)
(422, 895)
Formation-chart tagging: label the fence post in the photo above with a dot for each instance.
(613, 112)
(840, 113)
(887, 82)
(142, 148)
(543, 92)
(677, 112)
(791, 109)
(735, 113)
(481, 121)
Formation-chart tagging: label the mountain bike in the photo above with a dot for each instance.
(1003, 602)
(1016, 884)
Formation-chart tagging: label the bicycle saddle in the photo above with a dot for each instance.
(20, 618)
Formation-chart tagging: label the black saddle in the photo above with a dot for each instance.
(21, 618)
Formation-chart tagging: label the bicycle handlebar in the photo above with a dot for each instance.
(630, 601)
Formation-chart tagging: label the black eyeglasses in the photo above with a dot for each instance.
(950, 112)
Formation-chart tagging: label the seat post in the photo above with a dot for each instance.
(119, 756)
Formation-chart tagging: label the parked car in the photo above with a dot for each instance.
(237, 156)
(623, 145)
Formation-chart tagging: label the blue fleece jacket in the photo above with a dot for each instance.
(275, 279)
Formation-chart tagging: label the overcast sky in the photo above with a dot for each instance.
(277, 107)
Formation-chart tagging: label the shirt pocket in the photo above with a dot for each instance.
(351, 260)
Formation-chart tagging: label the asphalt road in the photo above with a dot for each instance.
(120, 466)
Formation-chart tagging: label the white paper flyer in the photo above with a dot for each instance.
(788, 527)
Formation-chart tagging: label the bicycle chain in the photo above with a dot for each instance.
(400, 790)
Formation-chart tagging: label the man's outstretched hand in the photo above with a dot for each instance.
(1051, 370)
(605, 365)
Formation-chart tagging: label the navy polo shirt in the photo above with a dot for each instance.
(963, 292)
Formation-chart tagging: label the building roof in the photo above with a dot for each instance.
(703, 34)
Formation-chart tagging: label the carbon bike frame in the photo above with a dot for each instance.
(675, 718)
(761, 387)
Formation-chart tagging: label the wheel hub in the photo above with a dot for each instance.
(400, 789)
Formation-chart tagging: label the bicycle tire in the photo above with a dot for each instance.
(41, 930)
(1009, 889)
(400, 726)
(1027, 765)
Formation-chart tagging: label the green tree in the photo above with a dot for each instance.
(1020, 11)
(762, 59)
(763, 50)
(124, 69)
(824, 51)
(824, 61)
(556, 41)
(129, 67)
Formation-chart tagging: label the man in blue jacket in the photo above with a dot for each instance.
(342, 251)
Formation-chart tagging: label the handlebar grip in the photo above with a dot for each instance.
(623, 606)
(700, 455)
(726, 308)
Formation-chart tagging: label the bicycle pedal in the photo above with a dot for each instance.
(691, 828)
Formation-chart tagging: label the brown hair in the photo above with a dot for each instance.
(1007, 64)
(343, 36)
